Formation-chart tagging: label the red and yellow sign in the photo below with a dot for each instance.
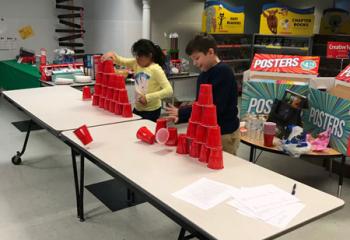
(220, 18)
(285, 64)
(338, 50)
(344, 75)
(277, 18)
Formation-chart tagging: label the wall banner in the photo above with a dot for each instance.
(277, 18)
(220, 18)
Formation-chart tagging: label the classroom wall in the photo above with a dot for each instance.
(40, 14)
(112, 25)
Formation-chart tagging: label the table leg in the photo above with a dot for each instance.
(341, 175)
(76, 181)
(16, 159)
(252, 154)
(330, 168)
(82, 161)
(183, 237)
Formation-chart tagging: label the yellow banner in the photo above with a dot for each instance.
(279, 19)
(219, 18)
(335, 21)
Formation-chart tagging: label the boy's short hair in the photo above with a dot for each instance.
(201, 43)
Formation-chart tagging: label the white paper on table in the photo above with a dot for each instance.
(204, 193)
(281, 220)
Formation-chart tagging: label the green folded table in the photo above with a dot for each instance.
(15, 75)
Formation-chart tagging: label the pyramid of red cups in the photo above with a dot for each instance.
(110, 92)
(203, 137)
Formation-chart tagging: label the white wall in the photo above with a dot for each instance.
(112, 25)
(40, 14)
(181, 16)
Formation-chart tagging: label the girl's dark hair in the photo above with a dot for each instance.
(201, 43)
(145, 47)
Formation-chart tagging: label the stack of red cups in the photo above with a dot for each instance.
(110, 90)
(203, 133)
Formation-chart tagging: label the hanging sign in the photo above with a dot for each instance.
(220, 18)
(340, 50)
(285, 64)
(277, 18)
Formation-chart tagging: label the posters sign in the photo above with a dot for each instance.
(220, 18)
(277, 18)
(344, 75)
(285, 64)
(329, 112)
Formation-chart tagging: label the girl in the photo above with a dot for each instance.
(151, 83)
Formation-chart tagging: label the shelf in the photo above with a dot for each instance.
(281, 47)
(236, 60)
(223, 46)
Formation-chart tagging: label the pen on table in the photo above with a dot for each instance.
(294, 188)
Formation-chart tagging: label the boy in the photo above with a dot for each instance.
(202, 51)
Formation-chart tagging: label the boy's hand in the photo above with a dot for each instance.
(142, 99)
(107, 56)
(173, 113)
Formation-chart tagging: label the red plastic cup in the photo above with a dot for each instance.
(209, 115)
(123, 96)
(121, 82)
(110, 92)
(172, 140)
(270, 128)
(83, 134)
(98, 89)
(182, 146)
(145, 135)
(112, 106)
(214, 137)
(201, 133)
(268, 139)
(101, 103)
(104, 91)
(95, 100)
(86, 93)
(161, 123)
(127, 112)
(191, 129)
(100, 67)
(162, 136)
(118, 108)
(113, 81)
(104, 79)
(116, 95)
(196, 112)
(195, 149)
(99, 76)
(205, 96)
(204, 154)
(108, 66)
(215, 160)
(107, 103)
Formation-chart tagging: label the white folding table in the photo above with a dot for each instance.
(157, 171)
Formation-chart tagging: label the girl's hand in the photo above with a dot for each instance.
(142, 99)
(171, 110)
(108, 56)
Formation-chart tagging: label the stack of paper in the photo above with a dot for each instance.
(268, 203)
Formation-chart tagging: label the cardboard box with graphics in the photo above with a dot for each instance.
(330, 110)
(258, 94)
